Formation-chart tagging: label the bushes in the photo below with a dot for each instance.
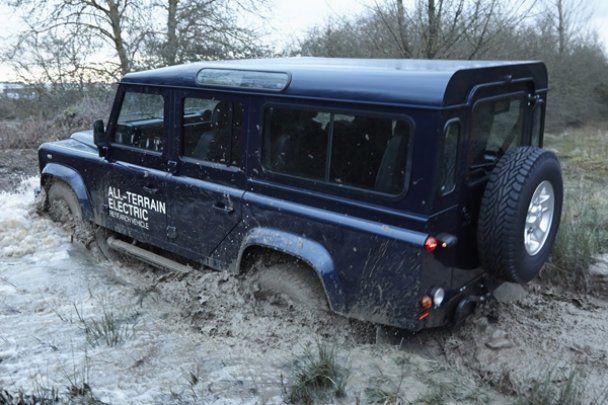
(45, 115)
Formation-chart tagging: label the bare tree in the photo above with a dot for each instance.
(116, 23)
(202, 30)
(448, 28)
(70, 49)
(431, 29)
(141, 34)
(566, 19)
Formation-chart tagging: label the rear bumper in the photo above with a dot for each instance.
(457, 305)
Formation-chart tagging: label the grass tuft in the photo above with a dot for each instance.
(108, 330)
(318, 376)
(551, 391)
(382, 396)
(455, 392)
(43, 396)
(385, 390)
(78, 388)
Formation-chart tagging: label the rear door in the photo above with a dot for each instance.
(135, 198)
(498, 122)
(206, 187)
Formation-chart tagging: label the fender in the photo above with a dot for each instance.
(309, 251)
(72, 178)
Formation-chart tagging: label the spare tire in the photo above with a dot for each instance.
(520, 213)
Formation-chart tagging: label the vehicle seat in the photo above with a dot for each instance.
(219, 129)
(391, 173)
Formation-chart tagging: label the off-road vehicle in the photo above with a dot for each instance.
(399, 192)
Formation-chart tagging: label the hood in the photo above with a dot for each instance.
(85, 137)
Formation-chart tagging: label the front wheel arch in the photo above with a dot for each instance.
(63, 206)
(53, 172)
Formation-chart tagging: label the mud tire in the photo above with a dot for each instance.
(63, 207)
(294, 282)
(505, 208)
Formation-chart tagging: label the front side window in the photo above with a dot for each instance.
(141, 121)
(212, 130)
(353, 150)
(497, 126)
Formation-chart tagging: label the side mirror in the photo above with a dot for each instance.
(100, 138)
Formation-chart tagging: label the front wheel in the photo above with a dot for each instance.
(520, 214)
(63, 207)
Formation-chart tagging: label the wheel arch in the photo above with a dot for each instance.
(281, 245)
(72, 178)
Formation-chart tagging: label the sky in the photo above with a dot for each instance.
(288, 20)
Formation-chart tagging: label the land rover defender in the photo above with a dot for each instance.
(399, 192)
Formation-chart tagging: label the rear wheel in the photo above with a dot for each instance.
(291, 282)
(520, 213)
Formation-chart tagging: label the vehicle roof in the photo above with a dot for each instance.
(404, 81)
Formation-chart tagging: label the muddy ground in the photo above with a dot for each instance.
(15, 165)
(531, 339)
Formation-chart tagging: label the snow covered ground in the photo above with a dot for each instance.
(72, 325)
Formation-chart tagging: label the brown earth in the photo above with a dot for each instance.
(15, 165)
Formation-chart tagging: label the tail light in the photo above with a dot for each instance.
(430, 244)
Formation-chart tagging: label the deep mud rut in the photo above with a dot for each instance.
(204, 338)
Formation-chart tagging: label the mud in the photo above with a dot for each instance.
(200, 337)
(241, 349)
(543, 337)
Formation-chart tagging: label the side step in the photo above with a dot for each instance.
(146, 256)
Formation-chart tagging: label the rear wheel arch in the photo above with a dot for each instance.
(255, 259)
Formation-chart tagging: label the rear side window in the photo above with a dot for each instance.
(497, 126)
(450, 152)
(141, 121)
(355, 150)
(212, 130)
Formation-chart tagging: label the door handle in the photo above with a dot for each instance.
(151, 189)
(223, 207)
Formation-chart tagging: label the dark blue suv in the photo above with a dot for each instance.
(399, 192)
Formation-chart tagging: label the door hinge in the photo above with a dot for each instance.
(172, 166)
(533, 99)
